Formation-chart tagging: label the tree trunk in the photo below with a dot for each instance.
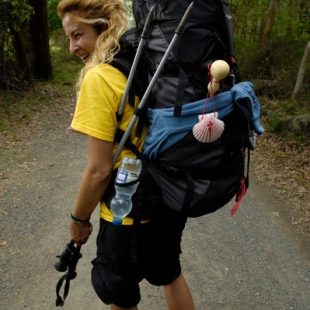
(268, 25)
(2, 63)
(266, 54)
(20, 54)
(301, 72)
(41, 62)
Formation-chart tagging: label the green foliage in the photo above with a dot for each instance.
(130, 13)
(20, 105)
(14, 17)
(65, 65)
(289, 36)
(53, 20)
(275, 76)
(13, 12)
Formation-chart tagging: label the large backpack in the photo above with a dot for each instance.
(189, 176)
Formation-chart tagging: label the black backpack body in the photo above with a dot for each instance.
(189, 177)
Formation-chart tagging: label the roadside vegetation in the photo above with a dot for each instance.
(270, 43)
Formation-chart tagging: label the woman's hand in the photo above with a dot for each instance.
(80, 232)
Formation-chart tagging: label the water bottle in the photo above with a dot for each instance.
(126, 184)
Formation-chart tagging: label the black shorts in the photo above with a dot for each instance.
(128, 254)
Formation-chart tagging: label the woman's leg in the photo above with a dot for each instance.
(178, 295)
(115, 276)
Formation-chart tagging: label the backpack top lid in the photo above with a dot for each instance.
(210, 14)
(184, 78)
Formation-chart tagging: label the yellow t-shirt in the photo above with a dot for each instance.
(95, 113)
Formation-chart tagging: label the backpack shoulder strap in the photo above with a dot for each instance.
(123, 64)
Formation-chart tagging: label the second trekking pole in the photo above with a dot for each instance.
(144, 37)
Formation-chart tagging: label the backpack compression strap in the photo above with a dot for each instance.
(229, 26)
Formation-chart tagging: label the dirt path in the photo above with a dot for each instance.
(255, 260)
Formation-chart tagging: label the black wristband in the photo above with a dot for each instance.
(77, 220)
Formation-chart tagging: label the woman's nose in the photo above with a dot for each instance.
(73, 47)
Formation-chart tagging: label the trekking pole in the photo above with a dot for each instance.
(135, 117)
(144, 36)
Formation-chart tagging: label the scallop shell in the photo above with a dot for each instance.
(209, 128)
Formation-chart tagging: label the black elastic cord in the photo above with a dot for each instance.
(61, 301)
(189, 195)
(127, 183)
(247, 177)
(68, 276)
(75, 255)
(180, 93)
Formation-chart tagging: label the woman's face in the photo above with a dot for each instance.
(82, 37)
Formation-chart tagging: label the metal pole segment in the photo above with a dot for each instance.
(152, 82)
(184, 18)
(143, 36)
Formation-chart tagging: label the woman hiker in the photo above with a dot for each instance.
(131, 252)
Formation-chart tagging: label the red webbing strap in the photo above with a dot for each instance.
(244, 184)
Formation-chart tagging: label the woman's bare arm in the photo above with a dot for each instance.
(94, 182)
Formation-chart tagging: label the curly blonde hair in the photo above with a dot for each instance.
(108, 17)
